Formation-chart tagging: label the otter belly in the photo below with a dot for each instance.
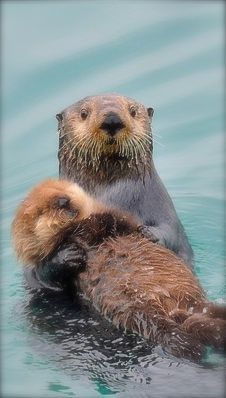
(149, 200)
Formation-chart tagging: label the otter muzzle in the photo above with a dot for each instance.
(112, 124)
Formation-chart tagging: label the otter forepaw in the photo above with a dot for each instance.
(147, 232)
(71, 254)
(67, 261)
(61, 268)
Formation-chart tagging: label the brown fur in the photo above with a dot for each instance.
(138, 285)
(38, 224)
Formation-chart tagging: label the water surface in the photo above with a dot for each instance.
(168, 55)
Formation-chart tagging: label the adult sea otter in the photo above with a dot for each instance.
(106, 146)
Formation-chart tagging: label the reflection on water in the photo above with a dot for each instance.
(82, 344)
(168, 55)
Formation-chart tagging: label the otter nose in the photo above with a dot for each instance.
(112, 123)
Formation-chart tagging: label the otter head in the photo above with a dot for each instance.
(45, 215)
(104, 128)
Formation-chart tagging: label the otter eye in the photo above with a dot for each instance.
(132, 111)
(84, 114)
(59, 117)
(63, 203)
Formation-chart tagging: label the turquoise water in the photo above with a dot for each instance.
(168, 55)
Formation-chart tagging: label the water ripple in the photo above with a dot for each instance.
(169, 55)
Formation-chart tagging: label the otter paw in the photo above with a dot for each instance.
(147, 232)
(62, 266)
(70, 258)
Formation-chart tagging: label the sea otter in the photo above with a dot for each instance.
(106, 146)
(136, 284)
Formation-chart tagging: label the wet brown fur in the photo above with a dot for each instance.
(138, 285)
(40, 225)
(39, 222)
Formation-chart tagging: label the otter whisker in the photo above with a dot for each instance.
(75, 142)
(67, 143)
(127, 149)
(153, 139)
(80, 152)
(130, 147)
(157, 142)
(141, 145)
(133, 143)
(121, 152)
(146, 138)
(64, 135)
(63, 132)
(81, 139)
(95, 152)
(134, 150)
(157, 135)
(92, 151)
(80, 144)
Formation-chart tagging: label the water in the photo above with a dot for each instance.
(168, 55)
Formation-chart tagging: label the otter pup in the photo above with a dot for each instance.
(136, 284)
(106, 146)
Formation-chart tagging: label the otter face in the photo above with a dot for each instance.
(58, 211)
(59, 204)
(106, 125)
(45, 214)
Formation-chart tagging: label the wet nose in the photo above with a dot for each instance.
(112, 123)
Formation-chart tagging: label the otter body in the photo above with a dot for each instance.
(106, 145)
(138, 285)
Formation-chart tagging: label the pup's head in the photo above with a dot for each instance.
(44, 216)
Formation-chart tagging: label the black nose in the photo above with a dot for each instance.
(112, 123)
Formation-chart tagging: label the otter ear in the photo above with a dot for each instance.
(150, 112)
(59, 116)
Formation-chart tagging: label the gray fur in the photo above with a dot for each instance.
(149, 200)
